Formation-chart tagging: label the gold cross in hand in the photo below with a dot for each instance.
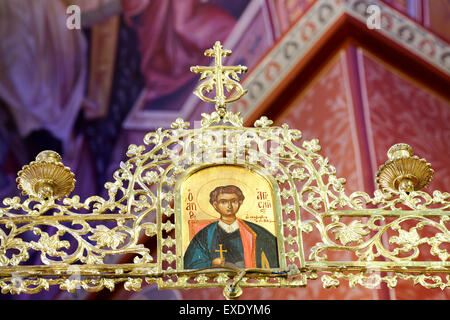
(219, 76)
(221, 251)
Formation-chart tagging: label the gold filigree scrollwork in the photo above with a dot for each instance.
(414, 223)
(80, 244)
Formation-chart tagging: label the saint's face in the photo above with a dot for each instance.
(227, 204)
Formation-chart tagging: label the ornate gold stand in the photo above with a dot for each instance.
(403, 171)
(87, 239)
(46, 177)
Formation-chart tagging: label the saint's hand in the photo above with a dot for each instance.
(218, 262)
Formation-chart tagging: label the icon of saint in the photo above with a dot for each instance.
(230, 241)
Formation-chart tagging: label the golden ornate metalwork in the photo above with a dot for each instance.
(219, 77)
(404, 171)
(399, 230)
(46, 177)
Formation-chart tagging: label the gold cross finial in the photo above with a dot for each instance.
(219, 77)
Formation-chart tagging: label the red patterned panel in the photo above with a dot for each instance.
(411, 8)
(437, 17)
(251, 38)
(399, 110)
(286, 12)
(402, 111)
(400, 5)
(325, 111)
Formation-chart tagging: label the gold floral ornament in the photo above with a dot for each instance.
(46, 177)
(219, 77)
(354, 232)
(403, 171)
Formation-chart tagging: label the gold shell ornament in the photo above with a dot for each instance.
(46, 178)
(403, 171)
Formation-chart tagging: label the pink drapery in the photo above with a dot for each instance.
(42, 66)
(172, 37)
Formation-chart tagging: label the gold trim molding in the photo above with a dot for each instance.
(79, 242)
